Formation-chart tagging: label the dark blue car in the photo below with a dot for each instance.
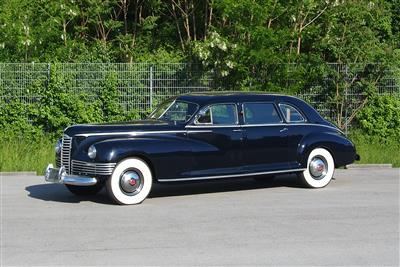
(202, 136)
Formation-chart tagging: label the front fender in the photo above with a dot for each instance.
(342, 149)
(167, 156)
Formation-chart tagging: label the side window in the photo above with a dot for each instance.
(291, 114)
(260, 113)
(219, 114)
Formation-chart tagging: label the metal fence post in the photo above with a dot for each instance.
(48, 75)
(151, 87)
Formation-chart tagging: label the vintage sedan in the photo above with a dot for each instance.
(201, 136)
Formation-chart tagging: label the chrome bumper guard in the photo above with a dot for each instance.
(60, 176)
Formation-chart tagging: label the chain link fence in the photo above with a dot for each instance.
(336, 90)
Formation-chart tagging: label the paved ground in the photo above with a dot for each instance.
(354, 221)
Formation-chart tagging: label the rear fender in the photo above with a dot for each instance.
(341, 148)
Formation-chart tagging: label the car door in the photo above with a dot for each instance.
(297, 128)
(216, 141)
(265, 144)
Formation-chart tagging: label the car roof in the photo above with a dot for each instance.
(205, 98)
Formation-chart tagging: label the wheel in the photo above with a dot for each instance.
(320, 169)
(130, 182)
(85, 190)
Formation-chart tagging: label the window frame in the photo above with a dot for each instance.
(172, 103)
(261, 124)
(305, 120)
(196, 123)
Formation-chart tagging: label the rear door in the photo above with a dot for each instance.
(265, 144)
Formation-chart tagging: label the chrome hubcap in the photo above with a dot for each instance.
(318, 168)
(131, 182)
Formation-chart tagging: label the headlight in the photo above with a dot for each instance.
(57, 147)
(92, 152)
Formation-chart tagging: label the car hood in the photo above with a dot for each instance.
(120, 128)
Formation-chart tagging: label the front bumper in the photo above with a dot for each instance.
(60, 176)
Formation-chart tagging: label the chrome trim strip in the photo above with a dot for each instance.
(214, 126)
(262, 125)
(228, 176)
(142, 133)
(129, 133)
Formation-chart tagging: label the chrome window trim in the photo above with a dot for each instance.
(260, 102)
(195, 122)
(295, 108)
(229, 176)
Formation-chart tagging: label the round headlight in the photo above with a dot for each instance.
(57, 147)
(92, 152)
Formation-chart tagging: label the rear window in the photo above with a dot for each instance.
(291, 114)
(260, 113)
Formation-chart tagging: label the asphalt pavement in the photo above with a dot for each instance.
(353, 221)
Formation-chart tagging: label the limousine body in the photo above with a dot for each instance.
(201, 136)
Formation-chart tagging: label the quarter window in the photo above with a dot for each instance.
(260, 113)
(291, 114)
(219, 114)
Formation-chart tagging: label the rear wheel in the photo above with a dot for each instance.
(320, 169)
(130, 182)
(85, 190)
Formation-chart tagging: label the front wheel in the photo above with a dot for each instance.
(320, 169)
(130, 182)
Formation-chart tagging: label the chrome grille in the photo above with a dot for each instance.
(66, 153)
(88, 168)
(58, 161)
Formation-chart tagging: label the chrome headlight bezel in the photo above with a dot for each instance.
(92, 152)
(58, 146)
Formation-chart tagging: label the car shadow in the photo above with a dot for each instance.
(59, 193)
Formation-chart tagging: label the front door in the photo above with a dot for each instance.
(217, 147)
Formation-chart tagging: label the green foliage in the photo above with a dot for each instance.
(108, 99)
(58, 107)
(373, 149)
(22, 154)
(381, 118)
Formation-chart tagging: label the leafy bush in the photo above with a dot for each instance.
(57, 107)
(381, 117)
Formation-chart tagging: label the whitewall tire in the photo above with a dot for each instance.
(320, 169)
(130, 182)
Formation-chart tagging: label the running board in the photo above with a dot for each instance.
(228, 176)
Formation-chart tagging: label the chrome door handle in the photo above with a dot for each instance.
(283, 130)
(237, 130)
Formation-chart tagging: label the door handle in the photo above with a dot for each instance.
(283, 130)
(237, 130)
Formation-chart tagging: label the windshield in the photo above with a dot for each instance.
(174, 110)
